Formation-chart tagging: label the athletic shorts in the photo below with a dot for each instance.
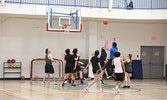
(78, 68)
(49, 68)
(119, 77)
(97, 72)
(68, 69)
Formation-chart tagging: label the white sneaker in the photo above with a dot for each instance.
(55, 83)
(43, 83)
(108, 77)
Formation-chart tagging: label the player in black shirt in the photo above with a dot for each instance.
(78, 68)
(68, 63)
(95, 61)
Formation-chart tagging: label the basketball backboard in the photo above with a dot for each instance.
(60, 17)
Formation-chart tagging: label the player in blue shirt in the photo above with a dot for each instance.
(112, 56)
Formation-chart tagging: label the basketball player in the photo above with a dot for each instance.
(119, 71)
(68, 63)
(112, 56)
(128, 69)
(48, 66)
(102, 63)
(78, 68)
(97, 70)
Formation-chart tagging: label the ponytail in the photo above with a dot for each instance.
(130, 57)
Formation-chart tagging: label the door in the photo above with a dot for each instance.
(152, 61)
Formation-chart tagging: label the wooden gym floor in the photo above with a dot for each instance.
(147, 89)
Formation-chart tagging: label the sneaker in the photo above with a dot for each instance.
(82, 83)
(63, 85)
(115, 90)
(128, 86)
(125, 86)
(102, 82)
(43, 83)
(55, 83)
(65, 81)
(118, 92)
(101, 91)
(108, 77)
(86, 90)
(73, 85)
(69, 81)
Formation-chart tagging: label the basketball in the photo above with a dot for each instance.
(22, 78)
(9, 61)
(13, 61)
(10, 66)
(105, 21)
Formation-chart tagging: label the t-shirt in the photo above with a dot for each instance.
(95, 60)
(118, 66)
(75, 56)
(103, 57)
(69, 60)
(47, 60)
(112, 51)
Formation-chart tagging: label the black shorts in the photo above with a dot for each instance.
(49, 68)
(68, 69)
(119, 77)
(78, 68)
(97, 72)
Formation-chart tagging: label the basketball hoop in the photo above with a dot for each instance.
(66, 27)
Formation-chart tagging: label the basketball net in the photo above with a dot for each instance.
(66, 27)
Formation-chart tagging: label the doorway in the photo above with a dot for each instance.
(152, 61)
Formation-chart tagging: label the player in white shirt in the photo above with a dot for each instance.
(119, 71)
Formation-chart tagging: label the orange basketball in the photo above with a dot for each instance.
(22, 78)
(13, 61)
(105, 21)
(9, 61)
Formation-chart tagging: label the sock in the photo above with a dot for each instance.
(101, 89)
(116, 87)
(81, 79)
(72, 81)
(64, 80)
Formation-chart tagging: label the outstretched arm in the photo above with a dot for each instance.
(50, 58)
(87, 66)
(106, 45)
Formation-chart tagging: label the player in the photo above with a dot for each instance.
(68, 63)
(112, 56)
(102, 63)
(95, 61)
(119, 71)
(48, 66)
(78, 68)
(128, 69)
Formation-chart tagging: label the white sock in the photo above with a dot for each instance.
(116, 87)
(101, 89)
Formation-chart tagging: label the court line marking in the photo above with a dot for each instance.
(19, 95)
(44, 93)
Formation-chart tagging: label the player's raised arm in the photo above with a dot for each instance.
(106, 45)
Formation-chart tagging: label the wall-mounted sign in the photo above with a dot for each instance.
(154, 38)
(144, 53)
(156, 53)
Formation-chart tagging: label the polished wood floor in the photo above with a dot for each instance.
(146, 89)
